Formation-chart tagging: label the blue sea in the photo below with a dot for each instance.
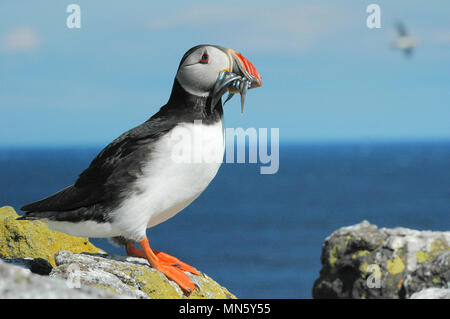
(261, 235)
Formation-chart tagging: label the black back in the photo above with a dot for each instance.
(119, 164)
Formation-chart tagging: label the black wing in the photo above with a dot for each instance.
(401, 30)
(408, 52)
(115, 166)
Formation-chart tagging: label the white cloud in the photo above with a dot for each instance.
(22, 39)
(264, 28)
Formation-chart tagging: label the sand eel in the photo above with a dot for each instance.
(139, 181)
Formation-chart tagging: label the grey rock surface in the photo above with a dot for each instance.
(364, 261)
(129, 276)
(432, 293)
(16, 282)
(428, 274)
(32, 246)
(94, 270)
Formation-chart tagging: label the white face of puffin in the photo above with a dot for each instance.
(199, 71)
(212, 71)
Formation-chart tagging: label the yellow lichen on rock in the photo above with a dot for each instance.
(132, 277)
(21, 239)
(156, 285)
(334, 254)
(363, 269)
(33, 239)
(395, 266)
(423, 256)
(437, 246)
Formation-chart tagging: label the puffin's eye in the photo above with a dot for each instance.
(205, 58)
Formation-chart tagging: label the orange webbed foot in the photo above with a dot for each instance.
(178, 276)
(170, 266)
(170, 260)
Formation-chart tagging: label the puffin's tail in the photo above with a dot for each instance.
(51, 207)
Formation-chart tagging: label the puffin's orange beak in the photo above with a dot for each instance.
(247, 68)
(238, 78)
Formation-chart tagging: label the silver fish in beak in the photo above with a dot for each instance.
(241, 77)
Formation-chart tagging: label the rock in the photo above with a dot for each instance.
(363, 261)
(33, 239)
(130, 276)
(77, 263)
(19, 283)
(37, 266)
(434, 272)
(432, 293)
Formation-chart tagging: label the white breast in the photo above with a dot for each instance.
(181, 165)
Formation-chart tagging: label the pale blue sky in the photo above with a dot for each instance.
(327, 77)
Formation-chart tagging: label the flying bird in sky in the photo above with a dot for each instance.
(404, 41)
(139, 180)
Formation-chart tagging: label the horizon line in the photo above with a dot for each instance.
(284, 142)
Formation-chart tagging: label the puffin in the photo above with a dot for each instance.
(155, 170)
(404, 41)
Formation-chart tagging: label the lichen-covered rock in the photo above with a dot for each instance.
(19, 283)
(434, 272)
(33, 239)
(33, 246)
(363, 261)
(130, 276)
